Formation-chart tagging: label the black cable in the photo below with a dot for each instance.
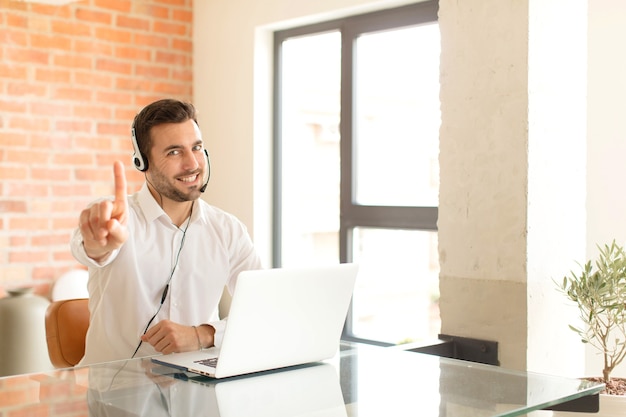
(167, 284)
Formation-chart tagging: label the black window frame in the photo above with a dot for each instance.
(352, 215)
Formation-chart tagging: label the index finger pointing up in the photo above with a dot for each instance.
(120, 202)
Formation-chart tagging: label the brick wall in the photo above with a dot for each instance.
(72, 77)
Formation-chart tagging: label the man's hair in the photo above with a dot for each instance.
(158, 113)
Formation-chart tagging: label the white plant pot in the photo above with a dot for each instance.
(610, 406)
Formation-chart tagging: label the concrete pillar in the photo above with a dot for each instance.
(512, 169)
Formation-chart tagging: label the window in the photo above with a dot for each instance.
(356, 163)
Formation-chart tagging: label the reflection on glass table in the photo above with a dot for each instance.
(360, 380)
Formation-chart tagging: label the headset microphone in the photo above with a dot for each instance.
(208, 169)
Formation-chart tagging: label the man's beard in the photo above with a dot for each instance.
(162, 186)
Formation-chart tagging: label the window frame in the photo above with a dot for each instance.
(352, 215)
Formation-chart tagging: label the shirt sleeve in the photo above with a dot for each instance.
(220, 327)
(78, 251)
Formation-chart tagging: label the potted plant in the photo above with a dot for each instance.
(599, 292)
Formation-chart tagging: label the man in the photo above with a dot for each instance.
(159, 259)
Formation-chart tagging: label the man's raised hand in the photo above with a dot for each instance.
(103, 225)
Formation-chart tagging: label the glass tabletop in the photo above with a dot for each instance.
(360, 380)
(415, 384)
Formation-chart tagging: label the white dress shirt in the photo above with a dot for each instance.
(125, 290)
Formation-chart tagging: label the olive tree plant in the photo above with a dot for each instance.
(600, 294)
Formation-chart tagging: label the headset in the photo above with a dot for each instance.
(141, 163)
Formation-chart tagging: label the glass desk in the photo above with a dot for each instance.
(360, 380)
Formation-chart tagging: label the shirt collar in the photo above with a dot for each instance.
(149, 206)
(152, 210)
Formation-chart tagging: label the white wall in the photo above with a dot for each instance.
(606, 133)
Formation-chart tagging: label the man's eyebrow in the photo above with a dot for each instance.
(177, 146)
(171, 147)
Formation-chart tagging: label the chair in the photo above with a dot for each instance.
(66, 327)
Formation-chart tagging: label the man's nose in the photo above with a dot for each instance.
(191, 161)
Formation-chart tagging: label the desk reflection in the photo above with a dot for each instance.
(360, 381)
(311, 390)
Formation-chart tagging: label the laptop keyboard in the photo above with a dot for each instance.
(211, 362)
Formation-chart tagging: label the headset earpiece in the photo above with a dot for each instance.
(208, 171)
(139, 161)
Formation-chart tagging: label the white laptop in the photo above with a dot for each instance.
(278, 317)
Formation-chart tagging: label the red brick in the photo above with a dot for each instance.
(130, 52)
(173, 2)
(94, 16)
(29, 56)
(113, 97)
(83, 95)
(171, 28)
(93, 174)
(13, 71)
(126, 113)
(73, 159)
(112, 128)
(15, 397)
(62, 206)
(93, 47)
(17, 241)
(91, 111)
(150, 39)
(40, 41)
(124, 21)
(118, 5)
(50, 109)
(33, 124)
(182, 45)
(108, 159)
(152, 71)
(8, 206)
(19, 189)
(93, 79)
(183, 15)
(37, 23)
(73, 61)
(29, 223)
(133, 84)
(12, 106)
(63, 12)
(153, 10)
(71, 190)
(47, 272)
(51, 239)
(13, 37)
(16, 156)
(113, 35)
(114, 66)
(72, 28)
(168, 88)
(52, 75)
(26, 89)
(67, 256)
(97, 144)
(183, 75)
(50, 141)
(50, 174)
(8, 172)
(173, 58)
(30, 255)
(15, 20)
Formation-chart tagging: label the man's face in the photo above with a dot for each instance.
(177, 162)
